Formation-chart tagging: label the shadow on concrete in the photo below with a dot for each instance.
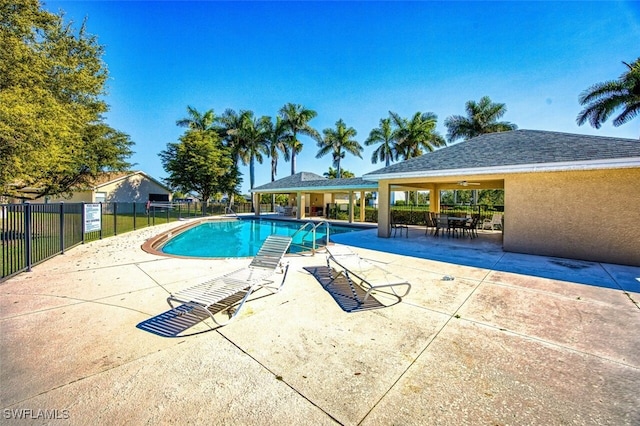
(486, 252)
(347, 296)
(174, 322)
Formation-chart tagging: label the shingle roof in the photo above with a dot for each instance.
(518, 147)
(110, 177)
(312, 181)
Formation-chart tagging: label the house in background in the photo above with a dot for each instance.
(118, 187)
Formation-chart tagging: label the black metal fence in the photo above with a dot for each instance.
(31, 233)
(416, 215)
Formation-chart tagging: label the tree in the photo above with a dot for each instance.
(296, 118)
(52, 131)
(482, 117)
(198, 163)
(415, 135)
(198, 121)
(602, 99)
(338, 142)
(252, 143)
(386, 137)
(278, 140)
(229, 130)
(333, 174)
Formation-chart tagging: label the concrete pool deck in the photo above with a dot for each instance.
(87, 337)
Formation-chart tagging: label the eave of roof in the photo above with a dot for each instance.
(517, 152)
(518, 168)
(306, 182)
(127, 175)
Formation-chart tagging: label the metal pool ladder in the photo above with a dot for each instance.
(313, 227)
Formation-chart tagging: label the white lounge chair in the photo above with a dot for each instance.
(496, 220)
(366, 275)
(228, 293)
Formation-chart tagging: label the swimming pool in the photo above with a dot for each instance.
(242, 238)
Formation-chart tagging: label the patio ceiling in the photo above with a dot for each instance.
(449, 183)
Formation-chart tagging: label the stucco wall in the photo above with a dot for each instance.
(76, 197)
(136, 188)
(589, 215)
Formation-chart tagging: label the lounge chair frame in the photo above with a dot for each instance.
(359, 271)
(228, 293)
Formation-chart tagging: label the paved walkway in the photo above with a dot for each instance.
(512, 339)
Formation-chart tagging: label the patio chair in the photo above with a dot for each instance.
(430, 222)
(442, 224)
(496, 220)
(395, 225)
(360, 272)
(471, 227)
(229, 292)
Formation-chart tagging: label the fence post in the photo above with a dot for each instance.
(101, 208)
(27, 235)
(115, 219)
(61, 227)
(83, 218)
(134, 215)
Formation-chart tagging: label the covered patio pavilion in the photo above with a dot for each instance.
(566, 195)
(310, 194)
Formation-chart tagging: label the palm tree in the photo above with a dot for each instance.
(229, 131)
(252, 142)
(386, 137)
(278, 140)
(415, 135)
(333, 173)
(482, 117)
(339, 141)
(602, 99)
(296, 119)
(197, 121)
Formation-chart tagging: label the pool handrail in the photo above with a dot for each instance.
(229, 210)
(314, 227)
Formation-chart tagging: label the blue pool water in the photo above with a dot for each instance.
(241, 238)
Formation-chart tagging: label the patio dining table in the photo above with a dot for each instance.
(457, 223)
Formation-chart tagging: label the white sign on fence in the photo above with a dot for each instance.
(92, 217)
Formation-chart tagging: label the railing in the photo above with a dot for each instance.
(416, 215)
(31, 233)
(229, 210)
(314, 227)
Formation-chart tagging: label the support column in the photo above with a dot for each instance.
(256, 203)
(384, 224)
(362, 204)
(300, 201)
(351, 205)
(434, 199)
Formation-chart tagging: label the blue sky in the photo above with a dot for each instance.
(353, 61)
